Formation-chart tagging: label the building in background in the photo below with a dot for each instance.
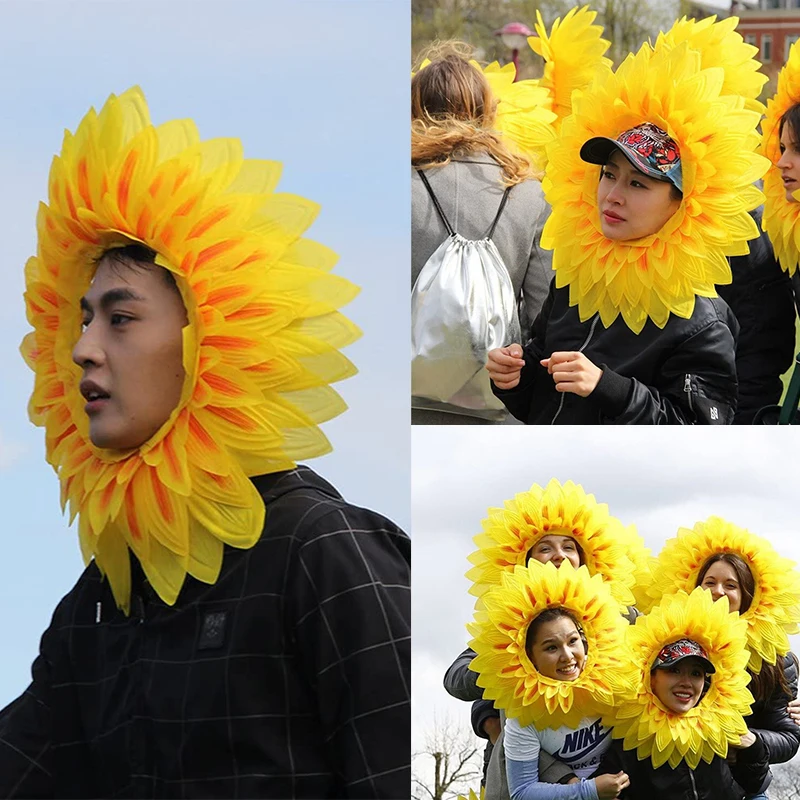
(773, 26)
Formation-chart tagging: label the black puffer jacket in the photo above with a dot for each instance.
(682, 374)
(771, 721)
(762, 299)
(715, 781)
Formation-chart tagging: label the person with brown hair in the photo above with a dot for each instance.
(755, 583)
(467, 179)
(727, 574)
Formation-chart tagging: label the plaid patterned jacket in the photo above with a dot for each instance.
(288, 678)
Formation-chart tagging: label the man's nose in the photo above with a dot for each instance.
(87, 349)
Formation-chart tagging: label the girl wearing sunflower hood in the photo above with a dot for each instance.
(673, 733)
(651, 184)
(549, 644)
(742, 572)
(185, 336)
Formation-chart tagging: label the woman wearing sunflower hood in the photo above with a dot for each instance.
(185, 336)
(743, 573)
(651, 184)
(478, 140)
(550, 644)
(675, 732)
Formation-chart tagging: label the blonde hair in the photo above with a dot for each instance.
(453, 113)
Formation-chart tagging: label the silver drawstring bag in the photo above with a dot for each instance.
(462, 306)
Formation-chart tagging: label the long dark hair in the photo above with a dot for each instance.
(791, 117)
(772, 676)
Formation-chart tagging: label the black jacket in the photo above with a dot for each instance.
(772, 722)
(715, 781)
(762, 299)
(288, 678)
(682, 374)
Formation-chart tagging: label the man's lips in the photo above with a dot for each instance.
(683, 697)
(96, 396)
(612, 217)
(92, 391)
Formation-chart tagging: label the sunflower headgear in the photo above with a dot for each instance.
(574, 55)
(781, 216)
(721, 45)
(529, 112)
(507, 674)
(775, 609)
(662, 735)
(259, 351)
(661, 274)
(566, 510)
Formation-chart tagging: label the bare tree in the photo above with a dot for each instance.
(447, 762)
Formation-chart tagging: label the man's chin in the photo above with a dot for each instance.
(108, 440)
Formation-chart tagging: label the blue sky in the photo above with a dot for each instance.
(319, 86)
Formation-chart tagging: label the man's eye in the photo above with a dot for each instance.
(638, 185)
(118, 319)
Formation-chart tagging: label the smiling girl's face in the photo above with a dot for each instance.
(680, 685)
(631, 204)
(557, 650)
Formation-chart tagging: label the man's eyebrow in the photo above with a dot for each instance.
(112, 296)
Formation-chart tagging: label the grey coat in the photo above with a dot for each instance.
(470, 190)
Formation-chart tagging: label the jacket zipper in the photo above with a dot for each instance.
(691, 774)
(687, 387)
(580, 350)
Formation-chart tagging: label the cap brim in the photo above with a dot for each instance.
(598, 149)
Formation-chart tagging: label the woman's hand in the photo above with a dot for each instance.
(609, 786)
(573, 372)
(505, 366)
(794, 711)
(746, 740)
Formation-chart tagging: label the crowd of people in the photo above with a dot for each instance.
(599, 671)
(615, 219)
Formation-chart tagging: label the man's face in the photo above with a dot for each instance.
(131, 353)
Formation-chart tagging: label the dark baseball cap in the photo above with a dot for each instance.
(684, 648)
(650, 149)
